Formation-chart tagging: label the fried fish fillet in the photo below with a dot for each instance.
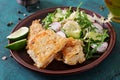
(44, 46)
(72, 53)
(35, 28)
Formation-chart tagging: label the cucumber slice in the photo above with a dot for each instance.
(72, 29)
(93, 35)
(17, 45)
(19, 34)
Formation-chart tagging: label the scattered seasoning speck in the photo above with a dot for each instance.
(10, 23)
(19, 19)
(20, 12)
(4, 58)
(28, 10)
(101, 8)
(24, 14)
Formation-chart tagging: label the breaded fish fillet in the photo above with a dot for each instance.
(35, 28)
(44, 46)
(73, 52)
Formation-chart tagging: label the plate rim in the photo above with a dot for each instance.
(75, 70)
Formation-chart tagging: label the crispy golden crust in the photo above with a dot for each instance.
(35, 28)
(73, 52)
(44, 46)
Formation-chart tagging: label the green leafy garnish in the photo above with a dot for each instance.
(48, 20)
(84, 31)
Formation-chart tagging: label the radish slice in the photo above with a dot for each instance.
(102, 47)
(61, 34)
(99, 27)
(55, 26)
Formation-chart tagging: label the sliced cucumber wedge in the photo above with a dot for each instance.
(72, 29)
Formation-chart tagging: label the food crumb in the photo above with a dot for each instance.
(24, 14)
(4, 58)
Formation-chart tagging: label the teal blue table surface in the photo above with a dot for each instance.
(109, 69)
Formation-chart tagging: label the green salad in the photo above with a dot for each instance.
(79, 25)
